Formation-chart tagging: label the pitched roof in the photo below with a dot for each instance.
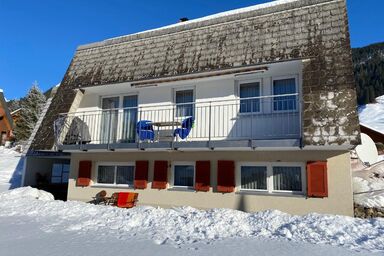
(278, 31)
(4, 109)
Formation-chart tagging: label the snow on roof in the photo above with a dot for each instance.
(372, 115)
(214, 16)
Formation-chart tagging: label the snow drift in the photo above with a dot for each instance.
(185, 225)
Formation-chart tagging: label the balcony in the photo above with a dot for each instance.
(258, 122)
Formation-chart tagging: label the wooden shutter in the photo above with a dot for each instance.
(203, 175)
(84, 175)
(225, 176)
(160, 175)
(317, 181)
(141, 175)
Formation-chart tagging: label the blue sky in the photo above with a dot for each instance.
(38, 38)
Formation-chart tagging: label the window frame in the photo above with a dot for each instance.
(274, 78)
(172, 176)
(115, 165)
(249, 81)
(185, 88)
(270, 189)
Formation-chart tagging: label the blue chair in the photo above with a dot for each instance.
(186, 127)
(145, 131)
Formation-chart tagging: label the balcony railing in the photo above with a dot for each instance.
(258, 118)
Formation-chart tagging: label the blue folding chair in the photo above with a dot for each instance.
(186, 127)
(145, 131)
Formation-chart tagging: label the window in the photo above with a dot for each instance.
(281, 87)
(254, 177)
(272, 177)
(184, 175)
(60, 173)
(249, 90)
(121, 174)
(287, 178)
(182, 98)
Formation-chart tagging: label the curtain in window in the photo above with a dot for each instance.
(106, 174)
(284, 86)
(109, 119)
(181, 98)
(287, 178)
(184, 175)
(129, 118)
(248, 91)
(254, 177)
(124, 175)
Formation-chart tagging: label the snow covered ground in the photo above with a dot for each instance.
(32, 223)
(11, 167)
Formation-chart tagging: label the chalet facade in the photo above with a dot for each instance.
(6, 121)
(251, 109)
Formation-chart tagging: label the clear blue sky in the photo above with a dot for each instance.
(38, 37)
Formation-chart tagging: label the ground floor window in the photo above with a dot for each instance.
(272, 177)
(115, 174)
(184, 175)
(60, 173)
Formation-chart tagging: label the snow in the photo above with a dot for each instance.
(214, 16)
(47, 227)
(11, 167)
(372, 115)
(368, 186)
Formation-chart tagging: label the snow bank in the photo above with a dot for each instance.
(26, 193)
(11, 167)
(185, 226)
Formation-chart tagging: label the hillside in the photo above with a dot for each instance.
(369, 72)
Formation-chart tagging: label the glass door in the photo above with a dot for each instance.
(109, 120)
(129, 119)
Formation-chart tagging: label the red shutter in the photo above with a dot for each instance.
(141, 175)
(84, 175)
(225, 176)
(160, 175)
(317, 181)
(203, 175)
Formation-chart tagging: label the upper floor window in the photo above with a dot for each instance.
(184, 103)
(249, 90)
(281, 87)
(115, 174)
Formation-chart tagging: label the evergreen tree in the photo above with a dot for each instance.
(31, 107)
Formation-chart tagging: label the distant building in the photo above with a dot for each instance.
(376, 135)
(6, 122)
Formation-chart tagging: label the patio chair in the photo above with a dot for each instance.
(124, 199)
(186, 127)
(145, 131)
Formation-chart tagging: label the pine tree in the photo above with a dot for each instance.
(31, 107)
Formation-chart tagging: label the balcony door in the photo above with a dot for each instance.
(109, 119)
(129, 118)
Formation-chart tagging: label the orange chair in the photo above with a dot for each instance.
(124, 199)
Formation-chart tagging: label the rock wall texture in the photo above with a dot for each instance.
(315, 31)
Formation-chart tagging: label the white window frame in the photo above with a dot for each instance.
(184, 88)
(274, 78)
(115, 164)
(172, 181)
(249, 81)
(270, 165)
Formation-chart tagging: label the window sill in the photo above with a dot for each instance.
(276, 194)
(183, 189)
(112, 186)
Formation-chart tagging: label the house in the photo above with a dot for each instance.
(250, 109)
(375, 134)
(6, 122)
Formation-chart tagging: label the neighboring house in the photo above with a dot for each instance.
(6, 122)
(376, 135)
(251, 109)
(16, 115)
